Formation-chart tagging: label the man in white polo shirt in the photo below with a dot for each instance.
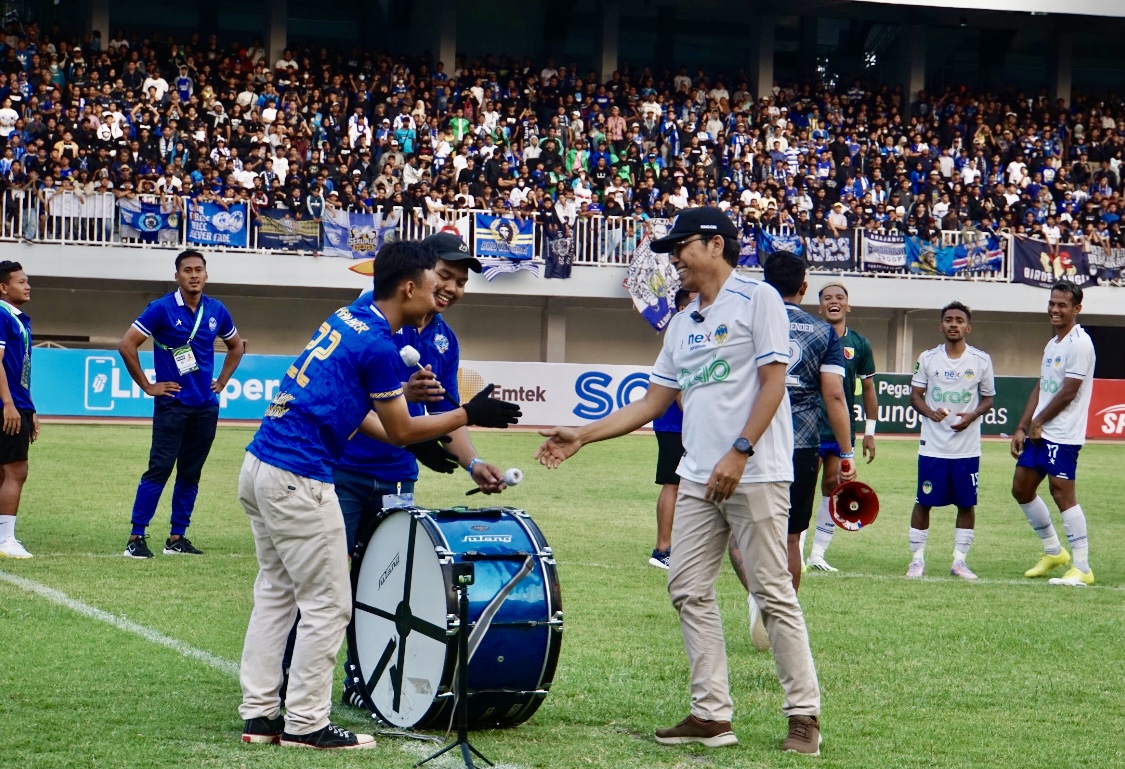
(727, 353)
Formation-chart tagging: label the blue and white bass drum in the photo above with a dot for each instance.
(404, 633)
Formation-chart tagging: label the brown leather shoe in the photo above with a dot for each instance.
(710, 734)
(804, 736)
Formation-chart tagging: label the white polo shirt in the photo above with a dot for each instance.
(1072, 358)
(715, 365)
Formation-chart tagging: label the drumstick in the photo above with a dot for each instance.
(511, 478)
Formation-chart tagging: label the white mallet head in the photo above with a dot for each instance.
(513, 476)
(410, 356)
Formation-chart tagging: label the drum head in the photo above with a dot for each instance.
(401, 609)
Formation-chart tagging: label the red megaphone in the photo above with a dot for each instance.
(853, 505)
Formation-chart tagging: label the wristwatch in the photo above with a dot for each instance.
(743, 446)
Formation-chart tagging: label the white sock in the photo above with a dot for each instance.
(1040, 519)
(962, 541)
(825, 528)
(1074, 523)
(8, 527)
(918, 543)
(801, 544)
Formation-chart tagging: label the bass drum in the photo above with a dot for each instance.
(404, 631)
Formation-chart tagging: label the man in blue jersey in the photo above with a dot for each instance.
(669, 430)
(286, 487)
(371, 475)
(184, 326)
(815, 372)
(20, 425)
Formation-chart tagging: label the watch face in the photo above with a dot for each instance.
(743, 445)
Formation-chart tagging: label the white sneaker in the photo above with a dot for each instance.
(13, 548)
(758, 635)
(916, 570)
(817, 562)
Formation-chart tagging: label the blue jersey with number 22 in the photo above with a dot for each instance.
(350, 363)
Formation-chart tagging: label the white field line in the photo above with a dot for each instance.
(60, 598)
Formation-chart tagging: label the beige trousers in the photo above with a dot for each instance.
(302, 564)
(757, 515)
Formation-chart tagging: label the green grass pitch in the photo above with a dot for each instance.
(1007, 672)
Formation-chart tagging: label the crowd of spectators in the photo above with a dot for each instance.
(320, 129)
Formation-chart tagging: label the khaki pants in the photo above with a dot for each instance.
(302, 564)
(757, 515)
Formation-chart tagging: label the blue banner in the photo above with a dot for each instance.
(94, 383)
(210, 224)
(277, 229)
(652, 281)
(147, 218)
(499, 236)
(354, 235)
(769, 242)
(926, 258)
(747, 248)
(985, 255)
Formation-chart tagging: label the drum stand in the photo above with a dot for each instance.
(462, 578)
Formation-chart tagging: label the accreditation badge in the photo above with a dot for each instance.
(185, 360)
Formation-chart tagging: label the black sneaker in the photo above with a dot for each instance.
(181, 546)
(353, 698)
(330, 737)
(137, 548)
(264, 730)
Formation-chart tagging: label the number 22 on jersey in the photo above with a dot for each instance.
(315, 352)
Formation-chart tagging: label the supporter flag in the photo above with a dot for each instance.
(210, 224)
(499, 236)
(560, 254)
(145, 219)
(924, 257)
(747, 248)
(769, 242)
(831, 253)
(882, 252)
(985, 255)
(653, 283)
(354, 235)
(1034, 265)
(1106, 263)
(277, 229)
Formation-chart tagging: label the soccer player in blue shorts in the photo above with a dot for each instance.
(1051, 432)
(952, 388)
(859, 367)
(350, 366)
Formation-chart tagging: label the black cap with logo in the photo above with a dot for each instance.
(451, 248)
(705, 221)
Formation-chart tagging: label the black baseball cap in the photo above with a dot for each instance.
(451, 248)
(706, 220)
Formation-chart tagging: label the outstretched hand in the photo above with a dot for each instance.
(562, 443)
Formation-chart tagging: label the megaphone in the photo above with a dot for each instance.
(853, 505)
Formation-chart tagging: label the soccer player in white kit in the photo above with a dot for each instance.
(1051, 432)
(952, 388)
(726, 353)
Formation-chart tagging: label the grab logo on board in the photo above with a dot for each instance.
(1106, 416)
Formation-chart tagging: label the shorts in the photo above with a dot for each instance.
(831, 449)
(1059, 460)
(669, 452)
(943, 481)
(13, 448)
(802, 491)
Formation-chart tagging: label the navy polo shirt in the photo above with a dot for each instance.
(169, 322)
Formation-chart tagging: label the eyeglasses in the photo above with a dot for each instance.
(679, 247)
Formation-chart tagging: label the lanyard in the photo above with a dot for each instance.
(198, 317)
(23, 329)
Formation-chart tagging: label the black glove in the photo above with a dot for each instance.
(486, 411)
(434, 455)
